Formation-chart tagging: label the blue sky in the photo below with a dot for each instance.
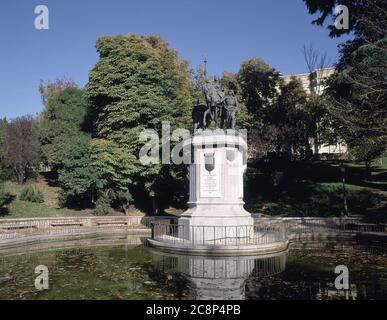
(227, 31)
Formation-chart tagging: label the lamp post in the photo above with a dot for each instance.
(343, 170)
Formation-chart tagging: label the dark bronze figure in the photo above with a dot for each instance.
(229, 111)
(220, 108)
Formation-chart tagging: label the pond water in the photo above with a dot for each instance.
(126, 269)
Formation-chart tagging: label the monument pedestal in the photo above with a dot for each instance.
(216, 188)
(216, 222)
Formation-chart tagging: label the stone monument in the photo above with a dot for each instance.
(216, 184)
(216, 221)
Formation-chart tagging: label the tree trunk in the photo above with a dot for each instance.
(125, 207)
(155, 206)
(92, 195)
(25, 174)
(316, 147)
(19, 174)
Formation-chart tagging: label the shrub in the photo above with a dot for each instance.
(5, 199)
(328, 201)
(31, 194)
(102, 205)
(360, 200)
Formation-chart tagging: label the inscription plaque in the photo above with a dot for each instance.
(210, 174)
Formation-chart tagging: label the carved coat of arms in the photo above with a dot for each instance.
(209, 162)
(230, 154)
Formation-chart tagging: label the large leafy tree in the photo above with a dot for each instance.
(137, 83)
(258, 82)
(66, 146)
(359, 101)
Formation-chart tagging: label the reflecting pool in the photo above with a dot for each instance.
(123, 268)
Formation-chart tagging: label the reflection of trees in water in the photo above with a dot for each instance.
(377, 248)
(76, 259)
(282, 287)
(165, 273)
(310, 273)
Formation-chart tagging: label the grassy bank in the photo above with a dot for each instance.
(49, 208)
(316, 189)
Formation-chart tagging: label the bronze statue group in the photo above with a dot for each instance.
(220, 107)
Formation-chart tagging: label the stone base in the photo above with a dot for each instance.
(177, 245)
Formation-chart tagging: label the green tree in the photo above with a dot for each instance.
(62, 121)
(258, 82)
(137, 83)
(359, 102)
(292, 119)
(66, 146)
(116, 165)
(78, 178)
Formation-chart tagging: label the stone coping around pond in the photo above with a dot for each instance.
(24, 240)
(26, 231)
(89, 240)
(7, 225)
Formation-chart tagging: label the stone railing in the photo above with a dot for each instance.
(219, 236)
(148, 221)
(22, 230)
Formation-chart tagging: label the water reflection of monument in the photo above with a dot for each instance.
(219, 278)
